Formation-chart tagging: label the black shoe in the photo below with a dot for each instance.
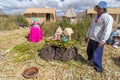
(100, 71)
(90, 62)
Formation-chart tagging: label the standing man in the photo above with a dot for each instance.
(98, 34)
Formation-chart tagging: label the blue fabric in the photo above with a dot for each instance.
(97, 60)
(110, 40)
(95, 54)
(102, 4)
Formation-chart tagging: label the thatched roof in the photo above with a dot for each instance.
(40, 10)
(70, 12)
(109, 10)
(59, 30)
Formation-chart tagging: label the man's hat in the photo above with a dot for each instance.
(102, 4)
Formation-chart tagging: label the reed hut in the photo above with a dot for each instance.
(70, 15)
(114, 12)
(45, 14)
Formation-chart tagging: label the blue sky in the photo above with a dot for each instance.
(18, 6)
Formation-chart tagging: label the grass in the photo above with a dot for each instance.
(77, 69)
(12, 22)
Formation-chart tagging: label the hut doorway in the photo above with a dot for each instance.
(47, 17)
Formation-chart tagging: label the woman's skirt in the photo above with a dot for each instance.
(35, 34)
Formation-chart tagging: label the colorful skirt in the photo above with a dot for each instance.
(35, 34)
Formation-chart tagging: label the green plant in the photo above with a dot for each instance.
(26, 51)
(49, 28)
(21, 20)
(79, 28)
(59, 43)
(12, 22)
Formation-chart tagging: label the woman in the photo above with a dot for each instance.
(35, 30)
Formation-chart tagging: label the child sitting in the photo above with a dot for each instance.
(116, 39)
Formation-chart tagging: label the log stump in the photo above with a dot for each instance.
(51, 52)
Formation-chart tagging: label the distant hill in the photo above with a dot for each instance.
(2, 12)
(81, 15)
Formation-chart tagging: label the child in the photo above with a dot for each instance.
(116, 38)
(116, 41)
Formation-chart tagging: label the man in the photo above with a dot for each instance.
(98, 34)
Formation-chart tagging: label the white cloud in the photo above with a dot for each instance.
(1, 7)
(59, 5)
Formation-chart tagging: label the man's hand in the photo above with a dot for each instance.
(100, 44)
